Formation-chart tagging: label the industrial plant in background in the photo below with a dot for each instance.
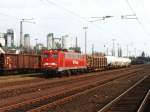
(10, 38)
(7, 39)
(66, 42)
(50, 41)
(26, 41)
(7, 42)
(2, 39)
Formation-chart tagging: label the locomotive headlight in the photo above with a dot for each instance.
(49, 64)
(46, 64)
(53, 63)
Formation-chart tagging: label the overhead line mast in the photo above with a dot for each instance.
(21, 30)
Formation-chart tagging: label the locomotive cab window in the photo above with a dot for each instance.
(54, 55)
(50, 55)
(46, 55)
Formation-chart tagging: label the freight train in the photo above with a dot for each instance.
(58, 61)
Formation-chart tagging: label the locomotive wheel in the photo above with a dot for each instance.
(68, 72)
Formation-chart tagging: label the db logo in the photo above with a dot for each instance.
(75, 62)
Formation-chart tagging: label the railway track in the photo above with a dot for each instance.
(40, 75)
(60, 92)
(6, 81)
(50, 92)
(144, 107)
(34, 87)
(130, 100)
(50, 106)
(7, 77)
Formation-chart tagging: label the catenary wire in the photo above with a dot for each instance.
(139, 22)
(78, 16)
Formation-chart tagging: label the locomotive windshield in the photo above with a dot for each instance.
(46, 55)
(50, 55)
(54, 55)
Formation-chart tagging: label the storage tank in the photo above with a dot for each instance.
(26, 40)
(67, 42)
(2, 39)
(50, 40)
(8, 38)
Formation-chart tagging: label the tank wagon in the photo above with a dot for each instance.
(117, 62)
(16, 63)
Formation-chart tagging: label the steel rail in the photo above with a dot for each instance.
(108, 106)
(42, 98)
(144, 102)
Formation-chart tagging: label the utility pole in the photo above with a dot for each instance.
(118, 50)
(21, 34)
(113, 51)
(129, 53)
(104, 50)
(92, 49)
(21, 30)
(76, 45)
(135, 52)
(107, 51)
(127, 50)
(85, 28)
(36, 45)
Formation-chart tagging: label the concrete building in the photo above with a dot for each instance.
(10, 38)
(67, 42)
(50, 41)
(2, 39)
(39, 46)
(26, 40)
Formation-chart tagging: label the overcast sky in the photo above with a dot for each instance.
(69, 17)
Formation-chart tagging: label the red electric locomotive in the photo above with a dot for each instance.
(63, 61)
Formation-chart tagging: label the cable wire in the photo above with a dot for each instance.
(8, 15)
(139, 22)
(78, 16)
